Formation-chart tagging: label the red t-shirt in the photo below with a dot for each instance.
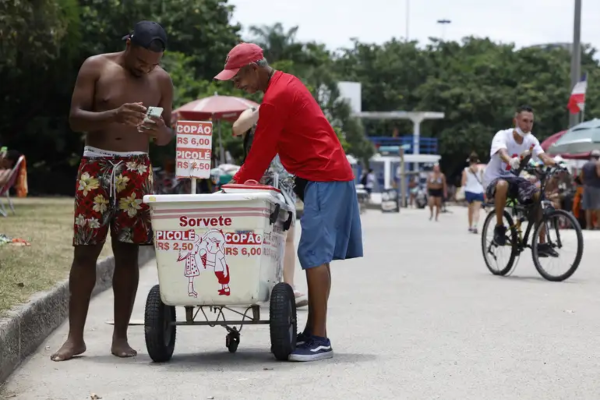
(291, 123)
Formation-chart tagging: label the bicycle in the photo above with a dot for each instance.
(515, 239)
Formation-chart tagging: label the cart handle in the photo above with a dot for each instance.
(275, 214)
(288, 222)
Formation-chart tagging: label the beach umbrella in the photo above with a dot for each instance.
(579, 140)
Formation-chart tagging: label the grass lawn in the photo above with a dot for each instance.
(47, 223)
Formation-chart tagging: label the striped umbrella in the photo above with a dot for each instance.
(214, 108)
(551, 140)
(582, 138)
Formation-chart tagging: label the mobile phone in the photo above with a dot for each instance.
(3, 150)
(153, 112)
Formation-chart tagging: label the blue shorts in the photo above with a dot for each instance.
(471, 197)
(331, 228)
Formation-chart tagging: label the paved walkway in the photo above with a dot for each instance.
(419, 317)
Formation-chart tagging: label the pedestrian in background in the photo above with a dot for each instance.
(590, 174)
(472, 178)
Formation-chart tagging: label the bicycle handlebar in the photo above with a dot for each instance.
(545, 173)
(539, 171)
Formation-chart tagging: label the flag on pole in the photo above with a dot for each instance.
(577, 99)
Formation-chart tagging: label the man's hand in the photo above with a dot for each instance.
(514, 163)
(155, 128)
(152, 126)
(131, 114)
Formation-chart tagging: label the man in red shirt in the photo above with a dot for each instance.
(292, 125)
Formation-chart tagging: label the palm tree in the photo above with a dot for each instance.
(277, 43)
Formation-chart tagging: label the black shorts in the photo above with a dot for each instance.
(519, 188)
(435, 192)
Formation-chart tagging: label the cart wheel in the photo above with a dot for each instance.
(283, 322)
(232, 341)
(158, 327)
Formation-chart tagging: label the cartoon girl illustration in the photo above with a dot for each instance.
(191, 265)
(213, 257)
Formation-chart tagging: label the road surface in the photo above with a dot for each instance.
(419, 317)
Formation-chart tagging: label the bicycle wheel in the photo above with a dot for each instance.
(557, 234)
(494, 254)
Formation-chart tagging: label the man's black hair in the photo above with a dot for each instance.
(524, 108)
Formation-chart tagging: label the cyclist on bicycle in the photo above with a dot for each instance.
(508, 148)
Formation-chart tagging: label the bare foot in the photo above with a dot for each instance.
(68, 350)
(121, 348)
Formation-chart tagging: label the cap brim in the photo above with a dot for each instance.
(227, 74)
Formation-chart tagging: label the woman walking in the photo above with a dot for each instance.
(472, 178)
(245, 126)
(437, 190)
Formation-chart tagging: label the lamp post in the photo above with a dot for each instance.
(407, 19)
(444, 22)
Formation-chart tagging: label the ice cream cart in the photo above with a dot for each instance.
(219, 254)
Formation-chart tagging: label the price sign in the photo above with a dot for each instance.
(194, 149)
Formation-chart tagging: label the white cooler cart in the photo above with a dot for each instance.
(217, 252)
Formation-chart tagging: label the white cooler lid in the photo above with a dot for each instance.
(248, 187)
(208, 198)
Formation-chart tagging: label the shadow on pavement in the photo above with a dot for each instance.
(240, 361)
(539, 279)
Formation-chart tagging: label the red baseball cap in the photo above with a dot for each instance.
(240, 56)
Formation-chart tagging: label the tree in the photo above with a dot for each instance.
(38, 70)
(277, 43)
(477, 84)
(33, 33)
(200, 29)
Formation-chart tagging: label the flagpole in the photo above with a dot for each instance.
(583, 109)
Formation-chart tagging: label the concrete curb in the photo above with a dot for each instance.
(28, 325)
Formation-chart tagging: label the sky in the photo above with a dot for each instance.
(334, 22)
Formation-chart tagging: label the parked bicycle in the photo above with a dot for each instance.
(553, 229)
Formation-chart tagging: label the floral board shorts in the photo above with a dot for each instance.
(519, 188)
(109, 193)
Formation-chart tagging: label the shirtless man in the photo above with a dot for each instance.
(109, 103)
